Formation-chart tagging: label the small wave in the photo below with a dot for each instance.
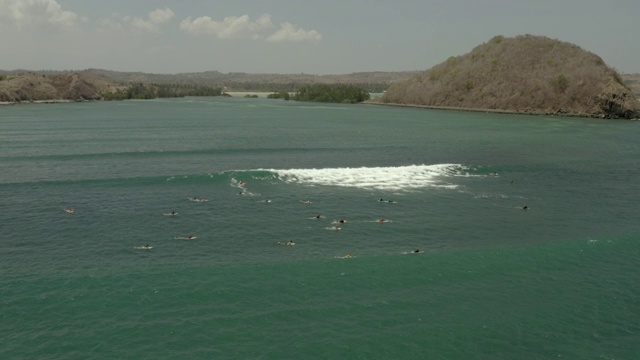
(379, 178)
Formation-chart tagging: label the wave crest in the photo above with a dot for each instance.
(379, 178)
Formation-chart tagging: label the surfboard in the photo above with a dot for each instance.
(413, 252)
(170, 214)
(69, 211)
(143, 247)
(286, 243)
(186, 238)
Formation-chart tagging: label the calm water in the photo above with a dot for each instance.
(494, 281)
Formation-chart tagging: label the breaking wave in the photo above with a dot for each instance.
(380, 178)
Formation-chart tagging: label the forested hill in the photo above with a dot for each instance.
(528, 74)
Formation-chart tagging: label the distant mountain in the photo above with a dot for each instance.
(528, 74)
(373, 81)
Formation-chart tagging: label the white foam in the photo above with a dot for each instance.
(382, 178)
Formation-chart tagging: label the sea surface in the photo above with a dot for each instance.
(492, 279)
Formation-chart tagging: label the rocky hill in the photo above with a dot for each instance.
(31, 86)
(525, 74)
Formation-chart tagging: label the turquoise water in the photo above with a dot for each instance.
(494, 281)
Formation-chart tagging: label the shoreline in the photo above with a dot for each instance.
(59, 101)
(497, 111)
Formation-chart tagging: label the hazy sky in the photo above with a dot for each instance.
(295, 36)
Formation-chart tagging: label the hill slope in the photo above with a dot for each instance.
(530, 74)
(52, 87)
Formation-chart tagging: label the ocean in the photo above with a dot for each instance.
(418, 234)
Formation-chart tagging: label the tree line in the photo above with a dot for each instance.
(152, 91)
(339, 93)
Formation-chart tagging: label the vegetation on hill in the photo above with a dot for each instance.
(530, 74)
(42, 87)
(332, 93)
(143, 91)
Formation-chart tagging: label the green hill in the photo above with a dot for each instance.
(527, 74)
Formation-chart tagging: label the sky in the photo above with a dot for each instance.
(298, 36)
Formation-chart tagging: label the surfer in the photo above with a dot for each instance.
(342, 221)
(69, 210)
(318, 216)
(290, 242)
(525, 207)
(417, 251)
(381, 220)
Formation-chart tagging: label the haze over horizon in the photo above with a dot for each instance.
(285, 37)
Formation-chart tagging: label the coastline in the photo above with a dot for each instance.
(496, 111)
(60, 101)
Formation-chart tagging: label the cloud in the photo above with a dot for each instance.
(289, 32)
(230, 27)
(152, 24)
(238, 27)
(37, 12)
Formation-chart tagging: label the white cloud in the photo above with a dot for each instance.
(290, 32)
(243, 27)
(229, 27)
(37, 12)
(152, 24)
